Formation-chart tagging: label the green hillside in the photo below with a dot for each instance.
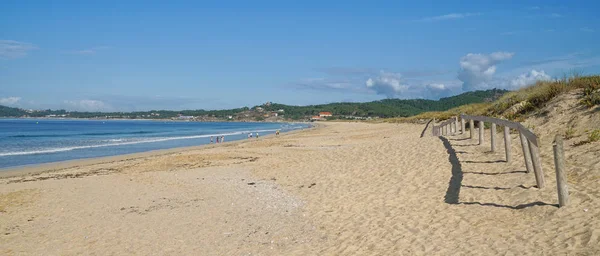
(381, 108)
(389, 107)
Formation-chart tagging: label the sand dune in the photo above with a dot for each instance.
(341, 189)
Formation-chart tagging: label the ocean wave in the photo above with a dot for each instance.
(149, 140)
(79, 134)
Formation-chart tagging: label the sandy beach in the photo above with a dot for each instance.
(339, 189)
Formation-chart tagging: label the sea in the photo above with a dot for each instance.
(36, 141)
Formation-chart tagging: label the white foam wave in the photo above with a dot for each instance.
(56, 150)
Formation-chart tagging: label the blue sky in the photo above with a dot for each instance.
(142, 55)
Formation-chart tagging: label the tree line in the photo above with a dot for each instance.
(381, 108)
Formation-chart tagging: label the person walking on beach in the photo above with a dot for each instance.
(222, 139)
(217, 139)
(211, 139)
(249, 135)
(257, 135)
(277, 133)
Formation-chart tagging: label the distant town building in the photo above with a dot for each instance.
(281, 111)
(182, 117)
(259, 109)
(325, 114)
(316, 118)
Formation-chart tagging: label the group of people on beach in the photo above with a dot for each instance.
(219, 139)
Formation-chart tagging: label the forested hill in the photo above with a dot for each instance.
(389, 107)
(381, 108)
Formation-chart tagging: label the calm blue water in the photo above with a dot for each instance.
(31, 141)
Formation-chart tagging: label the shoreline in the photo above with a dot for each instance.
(154, 120)
(35, 169)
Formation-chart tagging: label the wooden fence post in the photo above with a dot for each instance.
(493, 140)
(526, 155)
(559, 164)
(537, 165)
(481, 127)
(471, 127)
(507, 142)
(462, 125)
(455, 125)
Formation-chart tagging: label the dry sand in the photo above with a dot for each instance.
(341, 189)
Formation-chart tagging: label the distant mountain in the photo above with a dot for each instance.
(381, 108)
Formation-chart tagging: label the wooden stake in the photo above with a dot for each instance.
(462, 126)
(526, 155)
(559, 164)
(493, 140)
(456, 125)
(537, 165)
(481, 128)
(507, 142)
(471, 127)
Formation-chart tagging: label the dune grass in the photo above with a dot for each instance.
(518, 104)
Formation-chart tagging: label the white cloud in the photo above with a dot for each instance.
(477, 70)
(437, 90)
(409, 84)
(87, 105)
(586, 29)
(10, 49)
(450, 16)
(386, 83)
(89, 51)
(9, 101)
(435, 86)
(529, 78)
(332, 84)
